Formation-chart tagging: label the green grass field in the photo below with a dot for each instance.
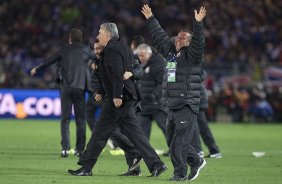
(30, 149)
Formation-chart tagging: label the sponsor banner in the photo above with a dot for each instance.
(22, 104)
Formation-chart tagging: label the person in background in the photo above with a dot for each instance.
(73, 59)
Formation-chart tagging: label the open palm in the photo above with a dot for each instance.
(201, 15)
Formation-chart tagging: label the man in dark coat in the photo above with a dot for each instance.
(181, 91)
(73, 61)
(119, 99)
(151, 88)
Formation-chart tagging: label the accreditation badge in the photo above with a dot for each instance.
(171, 71)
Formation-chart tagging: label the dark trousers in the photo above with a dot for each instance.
(180, 130)
(126, 145)
(75, 97)
(206, 133)
(109, 120)
(145, 122)
(196, 141)
(91, 108)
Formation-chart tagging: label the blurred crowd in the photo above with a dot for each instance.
(245, 32)
(256, 103)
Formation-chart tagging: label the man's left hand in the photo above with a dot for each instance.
(201, 15)
(117, 102)
(127, 75)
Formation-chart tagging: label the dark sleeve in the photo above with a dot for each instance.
(196, 48)
(137, 70)
(49, 61)
(116, 65)
(160, 39)
(158, 73)
(92, 55)
(97, 83)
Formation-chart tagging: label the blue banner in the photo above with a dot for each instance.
(22, 104)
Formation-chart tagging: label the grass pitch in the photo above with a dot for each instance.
(30, 153)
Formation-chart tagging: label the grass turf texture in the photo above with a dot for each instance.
(30, 153)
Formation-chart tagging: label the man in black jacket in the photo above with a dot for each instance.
(151, 88)
(204, 129)
(119, 99)
(73, 60)
(181, 91)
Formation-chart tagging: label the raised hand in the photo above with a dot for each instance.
(33, 72)
(147, 12)
(201, 15)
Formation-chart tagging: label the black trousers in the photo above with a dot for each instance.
(91, 108)
(109, 120)
(196, 141)
(206, 133)
(145, 122)
(180, 130)
(75, 97)
(122, 141)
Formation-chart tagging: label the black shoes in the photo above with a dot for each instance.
(136, 172)
(178, 178)
(195, 170)
(158, 171)
(136, 163)
(80, 172)
(64, 153)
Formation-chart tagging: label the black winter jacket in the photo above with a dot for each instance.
(151, 84)
(186, 89)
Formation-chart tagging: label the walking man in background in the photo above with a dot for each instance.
(73, 59)
(181, 91)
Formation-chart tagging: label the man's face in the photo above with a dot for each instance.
(182, 40)
(143, 56)
(103, 37)
(97, 48)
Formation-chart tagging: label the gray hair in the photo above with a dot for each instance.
(111, 28)
(144, 47)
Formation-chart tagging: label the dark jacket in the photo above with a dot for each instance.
(151, 84)
(73, 62)
(116, 59)
(186, 89)
(203, 94)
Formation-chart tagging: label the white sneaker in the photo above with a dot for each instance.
(216, 155)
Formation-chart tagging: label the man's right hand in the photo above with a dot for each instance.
(98, 97)
(94, 66)
(147, 12)
(33, 72)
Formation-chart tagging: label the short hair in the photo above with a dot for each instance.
(137, 40)
(144, 47)
(111, 28)
(188, 31)
(75, 35)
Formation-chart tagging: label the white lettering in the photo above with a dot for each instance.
(8, 104)
(29, 106)
(44, 106)
(57, 107)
